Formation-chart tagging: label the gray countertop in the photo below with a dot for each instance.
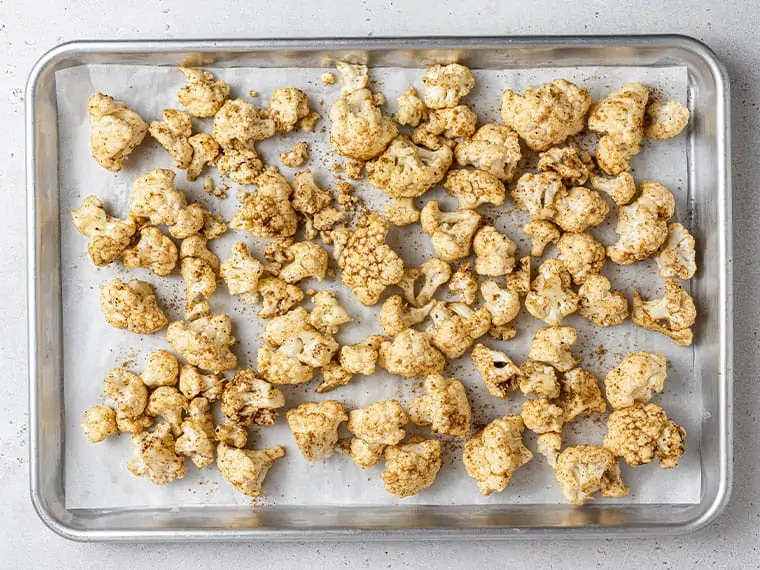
(27, 29)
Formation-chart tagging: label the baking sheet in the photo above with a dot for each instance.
(96, 475)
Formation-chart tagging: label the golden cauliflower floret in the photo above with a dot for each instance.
(445, 407)
(494, 149)
(635, 379)
(494, 252)
(640, 434)
(267, 212)
(196, 444)
(665, 121)
(296, 156)
(200, 285)
(548, 445)
(538, 194)
(327, 315)
(541, 233)
(127, 391)
(411, 354)
(552, 345)
(451, 233)
(353, 77)
(315, 427)
(444, 126)
(621, 188)
(154, 251)
(100, 423)
(361, 358)
(166, 402)
(672, 315)
(677, 256)
(599, 304)
(192, 383)
(541, 416)
(204, 342)
(333, 376)
(519, 280)
(201, 94)
(573, 165)
(411, 109)
(396, 316)
(245, 469)
(173, 134)
(401, 212)
(241, 271)
(464, 285)
(155, 456)
(308, 197)
(492, 455)
(287, 106)
(445, 85)
(315, 349)
(583, 470)
(232, 434)
(368, 265)
(456, 326)
(580, 394)
(405, 170)
(242, 122)
(551, 299)
(358, 129)
(205, 151)
(472, 188)
(364, 454)
(133, 425)
(132, 306)
(249, 399)
(538, 380)
(155, 197)
(546, 116)
(435, 273)
(411, 467)
(161, 369)
(109, 237)
(240, 163)
(380, 423)
(116, 131)
(579, 209)
(305, 260)
(277, 297)
(581, 255)
(283, 365)
(500, 375)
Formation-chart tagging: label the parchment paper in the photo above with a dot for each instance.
(96, 475)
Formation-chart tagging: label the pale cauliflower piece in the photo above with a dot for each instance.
(241, 271)
(472, 188)
(444, 126)
(538, 380)
(445, 85)
(240, 163)
(327, 315)
(665, 121)
(155, 197)
(277, 297)
(287, 106)
(494, 252)
(127, 391)
(503, 304)
(635, 379)
(100, 423)
(640, 434)
(353, 77)
(315, 427)
(154, 251)
(600, 305)
(677, 257)
(380, 423)
(552, 346)
(283, 365)
(500, 375)
(249, 399)
(267, 212)
(202, 95)
(538, 194)
(541, 233)
(239, 121)
(359, 130)
(672, 315)
(161, 369)
(116, 131)
(548, 445)
(579, 209)
(574, 166)
(200, 285)
(411, 109)
(581, 255)
(445, 407)
(580, 394)
(205, 342)
(166, 402)
(364, 454)
(492, 455)
(245, 469)
(109, 237)
(396, 316)
(205, 151)
(541, 416)
(451, 233)
(360, 358)
(155, 456)
(232, 434)
(494, 149)
(333, 376)
(196, 444)
(411, 467)
(621, 188)
(296, 156)
(456, 326)
(192, 383)
(173, 134)
(551, 299)
(583, 470)
(464, 285)
(546, 116)
(401, 212)
(132, 306)
(411, 354)
(306, 260)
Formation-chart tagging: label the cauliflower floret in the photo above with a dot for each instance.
(155, 456)
(444, 126)
(296, 156)
(548, 445)
(205, 342)
(202, 95)
(316, 349)
(600, 305)
(492, 455)
(541, 416)
(450, 233)
(283, 365)
(445, 407)
(552, 346)
(494, 252)
(546, 116)
(368, 264)
(380, 423)
(677, 257)
(205, 150)
(315, 427)
(161, 369)
(196, 444)
(267, 212)
(580, 394)
(502, 304)
(579, 209)
(232, 434)
(472, 188)
(109, 237)
(325, 220)
(333, 376)
(494, 149)
(672, 315)
(640, 434)
(195, 247)
(401, 212)
(435, 272)
(166, 402)
(242, 122)
(411, 109)
(464, 285)
(500, 374)
(581, 255)
(100, 423)
(364, 454)
(396, 316)
(360, 358)
(241, 271)
(445, 85)
(456, 326)
(550, 298)
(116, 131)
(411, 467)
(213, 226)
(519, 280)
(128, 424)
(277, 297)
(353, 77)
(583, 470)
(635, 378)
(173, 134)
(621, 188)
(307, 260)
(132, 306)
(538, 194)
(155, 197)
(240, 163)
(249, 399)
(538, 380)
(192, 383)
(359, 130)
(287, 106)
(200, 285)
(665, 121)
(154, 251)
(541, 233)
(327, 315)
(245, 469)
(411, 354)
(405, 170)
(573, 165)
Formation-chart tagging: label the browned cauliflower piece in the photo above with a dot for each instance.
(573, 165)
(333, 376)
(444, 126)
(380, 423)
(451, 233)
(583, 470)
(353, 77)
(308, 197)
(445, 407)
(130, 397)
(581, 255)
(677, 256)
(401, 212)
(358, 129)
(245, 469)
(368, 265)
(538, 380)
(538, 194)
(240, 163)
(494, 252)
(132, 306)
(541, 233)
(472, 188)
(492, 455)
(296, 156)
(166, 402)
(672, 315)
(192, 383)
(232, 434)
(287, 106)
(361, 358)
(541, 416)
(161, 369)
(463, 284)
(579, 209)
(640, 434)
(116, 131)
(665, 121)
(600, 305)
(315, 427)
(282, 365)
(109, 237)
(411, 109)
(552, 346)
(241, 272)
(445, 85)
(621, 188)
(580, 394)
(500, 375)
(173, 134)
(546, 116)
(411, 354)
(242, 122)
(133, 425)
(435, 273)
(205, 151)
(305, 260)
(456, 326)
(364, 454)
(200, 285)
(201, 94)
(267, 212)
(411, 467)
(154, 251)
(635, 379)
(327, 315)
(100, 423)
(249, 399)
(494, 149)
(277, 297)
(205, 342)
(196, 444)
(551, 299)
(155, 456)
(155, 197)
(548, 445)
(396, 316)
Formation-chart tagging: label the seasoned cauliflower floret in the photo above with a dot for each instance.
(166, 402)
(546, 116)
(665, 121)
(541, 416)
(316, 349)
(519, 280)
(364, 454)
(245, 469)
(411, 354)
(640, 434)
(551, 299)
(396, 316)
(599, 304)
(202, 95)
(296, 156)
(133, 425)
(205, 151)
(621, 188)
(242, 122)
(267, 212)
(463, 284)
(109, 237)
(472, 188)
(456, 326)
(411, 109)
(353, 77)
(127, 391)
(360, 358)
(494, 149)
(541, 233)
(573, 165)
(500, 374)
(580, 394)
(100, 423)
(503, 304)
(315, 427)
(411, 467)
(155, 197)
(173, 134)
(677, 257)
(401, 212)
(445, 407)
(359, 130)
(240, 163)
(579, 209)
(444, 126)
(445, 85)
(283, 365)
(308, 197)
(672, 315)
(232, 434)
(154, 251)
(155, 456)
(450, 233)
(306, 260)
(241, 271)
(538, 194)
(494, 252)
(583, 470)
(435, 273)
(196, 444)
(548, 445)
(635, 379)
(116, 131)
(249, 399)
(277, 297)
(132, 306)
(333, 376)
(538, 380)
(200, 285)
(492, 455)
(581, 255)
(161, 369)
(204, 342)
(192, 383)
(380, 423)
(287, 106)
(552, 346)
(327, 315)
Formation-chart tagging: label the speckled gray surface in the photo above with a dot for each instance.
(27, 29)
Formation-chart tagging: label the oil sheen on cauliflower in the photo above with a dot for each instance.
(583, 470)
(116, 131)
(445, 407)
(621, 188)
(245, 469)
(472, 188)
(155, 457)
(100, 423)
(132, 306)
(315, 427)
(635, 379)
(109, 237)
(445, 85)
(672, 315)
(154, 251)
(411, 467)
(173, 134)
(579, 209)
(665, 121)
(380, 423)
(538, 380)
(411, 109)
(287, 106)
(444, 126)
(573, 165)
(241, 122)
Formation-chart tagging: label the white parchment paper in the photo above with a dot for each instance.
(96, 475)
